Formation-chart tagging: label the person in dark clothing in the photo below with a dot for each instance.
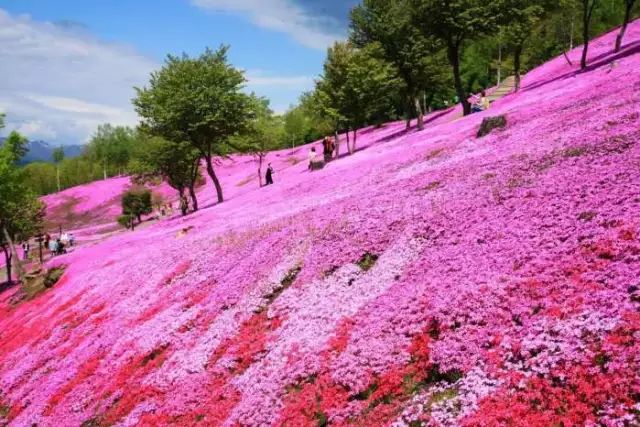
(269, 175)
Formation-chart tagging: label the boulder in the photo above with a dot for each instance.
(491, 123)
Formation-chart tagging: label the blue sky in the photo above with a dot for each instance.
(69, 65)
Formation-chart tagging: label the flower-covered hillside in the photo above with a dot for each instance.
(431, 278)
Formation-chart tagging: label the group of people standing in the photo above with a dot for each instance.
(328, 147)
(56, 246)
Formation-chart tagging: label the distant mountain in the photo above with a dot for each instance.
(42, 151)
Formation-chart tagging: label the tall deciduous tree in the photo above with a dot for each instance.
(112, 146)
(198, 101)
(628, 7)
(21, 213)
(454, 22)
(417, 59)
(523, 16)
(357, 87)
(266, 132)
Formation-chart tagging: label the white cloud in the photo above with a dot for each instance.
(58, 82)
(284, 16)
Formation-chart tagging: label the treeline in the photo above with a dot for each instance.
(21, 212)
(404, 58)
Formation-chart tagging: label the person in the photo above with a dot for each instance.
(312, 157)
(53, 246)
(482, 104)
(60, 247)
(72, 239)
(25, 250)
(269, 175)
(47, 241)
(328, 149)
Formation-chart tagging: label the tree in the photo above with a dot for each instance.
(265, 134)
(370, 90)
(357, 88)
(198, 101)
(21, 213)
(111, 146)
(588, 7)
(178, 164)
(523, 16)
(58, 157)
(453, 22)
(628, 7)
(135, 203)
(417, 59)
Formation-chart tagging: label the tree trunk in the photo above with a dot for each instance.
(499, 64)
(587, 9)
(214, 178)
(260, 170)
(420, 113)
(104, 170)
(353, 145)
(337, 135)
(184, 203)
(194, 198)
(516, 65)
(623, 29)
(14, 255)
(7, 259)
(453, 51)
(571, 32)
(58, 177)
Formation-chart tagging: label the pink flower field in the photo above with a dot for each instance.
(432, 278)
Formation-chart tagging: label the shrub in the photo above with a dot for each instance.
(491, 123)
(135, 203)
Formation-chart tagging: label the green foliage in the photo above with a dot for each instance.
(136, 202)
(177, 164)
(58, 155)
(418, 60)
(357, 87)
(197, 101)
(112, 147)
(126, 220)
(265, 133)
(21, 213)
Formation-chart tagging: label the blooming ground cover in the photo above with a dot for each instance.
(431, 278)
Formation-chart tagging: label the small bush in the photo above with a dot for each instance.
(491, 123)
(126, 221)
(367, 261)
(53, 275)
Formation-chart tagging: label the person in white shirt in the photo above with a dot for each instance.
(312, 156)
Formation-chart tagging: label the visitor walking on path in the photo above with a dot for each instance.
(312, 157)
(25, 250)
(269, 175)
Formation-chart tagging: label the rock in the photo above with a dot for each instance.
(491, 123)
